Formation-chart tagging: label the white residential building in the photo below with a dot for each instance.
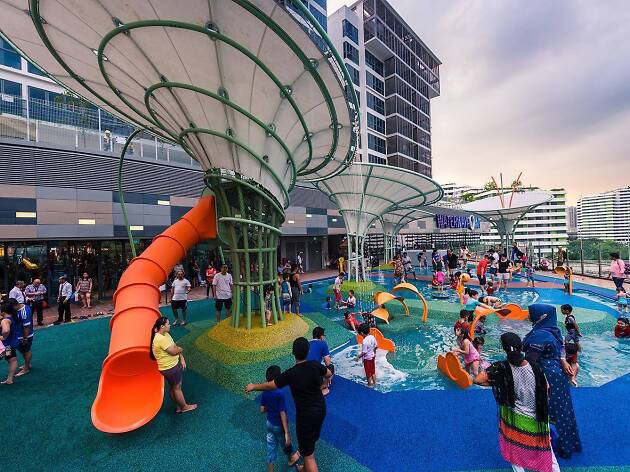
(605, 215)
(395, 75)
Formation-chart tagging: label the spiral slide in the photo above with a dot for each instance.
(131, 389)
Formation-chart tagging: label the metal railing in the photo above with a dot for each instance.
(88, 128)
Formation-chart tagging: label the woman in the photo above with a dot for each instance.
(617, 270)
(9, 337)
(296, 289)
(520, 390)
(84, 287)
(170, 361)
(544, 345)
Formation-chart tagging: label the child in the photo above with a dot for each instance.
(368, 319)
(478, 343)
(567, 280)
(622, 300)
(494, 302)
(273, 403)
(434, 282)
(490, 288)
(455, 280)
(473, 303)
(529, 274)
(285, 293)
(466, 295)
(569, 320)
(351, 321)
(268, 302)
(368, 354)
(351, 302)
(318, 352)
(328, 303)
(480, 327)
(337, 289)
(439, 277)
(571, 348)
(461, 322)
(466, 348)
(622, 328)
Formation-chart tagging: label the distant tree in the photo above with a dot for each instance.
(468, 197)
(490, 186)
(592, 247)
(79, 109)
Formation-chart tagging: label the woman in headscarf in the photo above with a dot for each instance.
(520, 389)
(544, 345)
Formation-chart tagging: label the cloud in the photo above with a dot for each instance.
(537, 86)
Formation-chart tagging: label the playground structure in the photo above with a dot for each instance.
(450, 366)
(381, 341)
(381, 298)
(366, 191)
(254, 92)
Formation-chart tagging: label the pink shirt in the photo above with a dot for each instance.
(472, 355)
(439, 275)
(618, 268)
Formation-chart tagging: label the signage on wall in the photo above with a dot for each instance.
(457, 222)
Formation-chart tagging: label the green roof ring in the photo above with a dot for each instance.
(268, 129)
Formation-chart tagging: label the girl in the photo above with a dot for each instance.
(466, 349)
(622, 300)
(494, 302)
(473, 303)
(439, 277)
(571, 348)
(480, 328)
(285, 294)
(84, 287)
(478, 342)
(351, 321)
(268, 302)
(529, 274)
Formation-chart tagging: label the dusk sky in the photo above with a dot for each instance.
(540, 86)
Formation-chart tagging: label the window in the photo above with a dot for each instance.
(373, 63)
(9, 104)
(10, 88)
(350, 31)
(319, 16)
(376, 160)
(375, 123)
(321, 3)
(375, 104)
(354, 74)
(33, 69)
(41, 94)
(350, 52)
(376, 144)
(8, 56)
(376, 84)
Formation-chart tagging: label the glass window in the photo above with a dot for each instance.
(8, 56)
(375, 103)
(350, 31)
(354, 73)
(11, 101)
(321, 3)
(33, 69)
(376, 160)
(375, 123)
(376, 144)
(8, 87)
(320, 17)
(350, 52)
(373, 82)
(374, 63)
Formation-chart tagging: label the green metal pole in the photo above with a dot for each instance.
(261, 266)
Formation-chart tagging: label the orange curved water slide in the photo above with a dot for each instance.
(131, 389)
(381, 341)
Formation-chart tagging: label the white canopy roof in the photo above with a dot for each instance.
(366, 191)
(395, 219)
(239, 84)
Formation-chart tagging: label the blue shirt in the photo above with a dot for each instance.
(25, 320)
(273, 401)
(12, 339)
(317, 351)
(471, 304)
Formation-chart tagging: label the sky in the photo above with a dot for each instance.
(541, 87)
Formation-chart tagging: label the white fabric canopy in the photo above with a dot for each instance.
(239, 84)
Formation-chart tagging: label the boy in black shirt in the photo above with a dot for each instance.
(305, 380)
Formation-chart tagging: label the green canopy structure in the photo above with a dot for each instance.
(251, 89)
(395, 220)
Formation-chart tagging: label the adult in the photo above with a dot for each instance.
(296, 289)
(179, 267)
(171, 363)
(196, 273)
(300, 262)
(17, 292)
(452, 263)
(63, 301)
(180, 288)
(210, 273)
(482, 268)
(494, 264)
(21, 313)
(304, 380)
(35, 294)
(617, 269)
(544, 345)
(399, 270)
(520, 390)
(9, 338)
(84, 287)
(318, 351)
(503, 272)
(222, 283)
(407, 265)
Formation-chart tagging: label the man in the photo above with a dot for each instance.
(452, 261)
(35, 294)
(65, 295)
(17, 291)
(222, 284)
(179, 296)
(504, 267)
(408, 266)
(305, 380)
(22, 313)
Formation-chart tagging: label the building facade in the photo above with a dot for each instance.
(572, 222)
(605, 215)
(395, 76)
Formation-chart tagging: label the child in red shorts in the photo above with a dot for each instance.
(368, 354)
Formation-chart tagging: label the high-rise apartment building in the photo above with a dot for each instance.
(395, 76)
(605, 215)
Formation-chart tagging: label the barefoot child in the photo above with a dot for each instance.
(368, 354)
(285, 293)
(351, 321)
(462, 322)
(466, 349)
(318, 352)
(274, 405)
(622, 300)
(570, 322)
(478, 343)
(268, 302)
(337, 290)
(529, 274)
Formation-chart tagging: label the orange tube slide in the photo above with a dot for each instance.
(131, 389)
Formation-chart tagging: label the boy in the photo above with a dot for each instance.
(570, 322)
(318, 352)
(180, 288)
(305, 380)
(285, 293)
(351, 301)
(273, 403)
(337, 289)
(408, 266)
(482, 268)
(461, 322)
(490, 288)
(529, 273)
(368, 354)
(268, 303)
(567, 280)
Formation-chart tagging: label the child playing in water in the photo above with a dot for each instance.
(473, 303)
(285, 293)
(439, 277)
(569, 320)
(622, 328)
(351, 321)
(328, 303)
(478, 343)
(567, 280)
(571, 348)
(337, 289)
(494, 302)
(368, 354)
(455, 280)
(622, 300)
(529, 274)
(268, 302)
(466, 349)
(490, 288)
(351, 302)
(480, 327)
(461, 322)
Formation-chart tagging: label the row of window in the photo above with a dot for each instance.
(404, 162)
(376, 160)
(374, 63)
(375, 123)
(350, 31)
(395, 104)
(393, 65)
(320, 17)
(398, 144)
(395, 85)
(350, 52)
(375, 103)
(354, 74)
(376, 144)
(11, 58)
(377, 84)
(396, 124)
